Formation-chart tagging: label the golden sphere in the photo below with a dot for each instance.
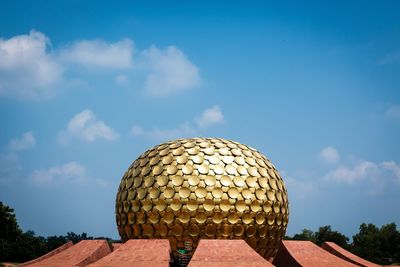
(189, 189)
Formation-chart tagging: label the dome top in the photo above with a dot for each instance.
(187, 189)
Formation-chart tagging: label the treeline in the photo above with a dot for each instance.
(379, 245)
(19, 246)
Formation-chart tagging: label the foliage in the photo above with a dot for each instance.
(381, 246)
(17, 246)
(325, 233)
(305, 235)
(378, 245)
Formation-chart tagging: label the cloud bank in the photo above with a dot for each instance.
(329, 155)
(170, 71)
(27, 141)
(30, 68)
(210, 117)
(69, 172)
(85, 127)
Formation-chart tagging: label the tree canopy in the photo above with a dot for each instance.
(380, 245)
(19, 246)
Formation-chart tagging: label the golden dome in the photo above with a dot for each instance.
(189, 189)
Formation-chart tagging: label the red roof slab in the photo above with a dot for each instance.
(81, 254)
(138, 253)
(306, 254)
(50, 254)
(224, 253)
(347, 255)
(116, 245)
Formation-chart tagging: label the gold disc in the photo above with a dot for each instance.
(218, 169)
(154, 217)
(217, 192)
(162, 180)
(182, 159)
(208, 204)
(203, 169)
(217, 217)
(172, 169)
(233, 192)
(184, 192)
(161, 205)
(168, 217)
(201, 217)
(176, 204)
(209, 180)
(210, 230)
(187, 169)
(226, 180)
(194, 230)
(224, 205)
(169, 192)
(167, 160)
(193, 180)
(233, 218)
(240, 205)
(177, 230)
(192, 205)
(184, 217)
(177, 180)
(239, 230)
(200, 192)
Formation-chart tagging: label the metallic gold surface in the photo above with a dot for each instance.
(189, 189)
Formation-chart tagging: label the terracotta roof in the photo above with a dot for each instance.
(306, 254)
(81, 254)
(138, 252)
(347, 255)
(226, 253)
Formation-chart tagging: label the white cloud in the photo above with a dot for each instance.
(86, 127)
(170, 71)
(366, 171)
(97, 53)
(121, 80)
(101, 182)
(27, 141)
(393, 167)
(298, 188)
(329, 155)
(69, 172)
(183, 130)
(27, 68)
(393, 112)
(9, 167)
(137, 130)
(210, 117)
(391, 58)
(361, 171)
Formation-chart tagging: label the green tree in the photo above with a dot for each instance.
(9, 232)
(28, 246)
(325, 233)
(305, 234)
(75, 238)
(53, 242)
(378, 245)
(14, 244)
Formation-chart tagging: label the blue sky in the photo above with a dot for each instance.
(87, 86)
